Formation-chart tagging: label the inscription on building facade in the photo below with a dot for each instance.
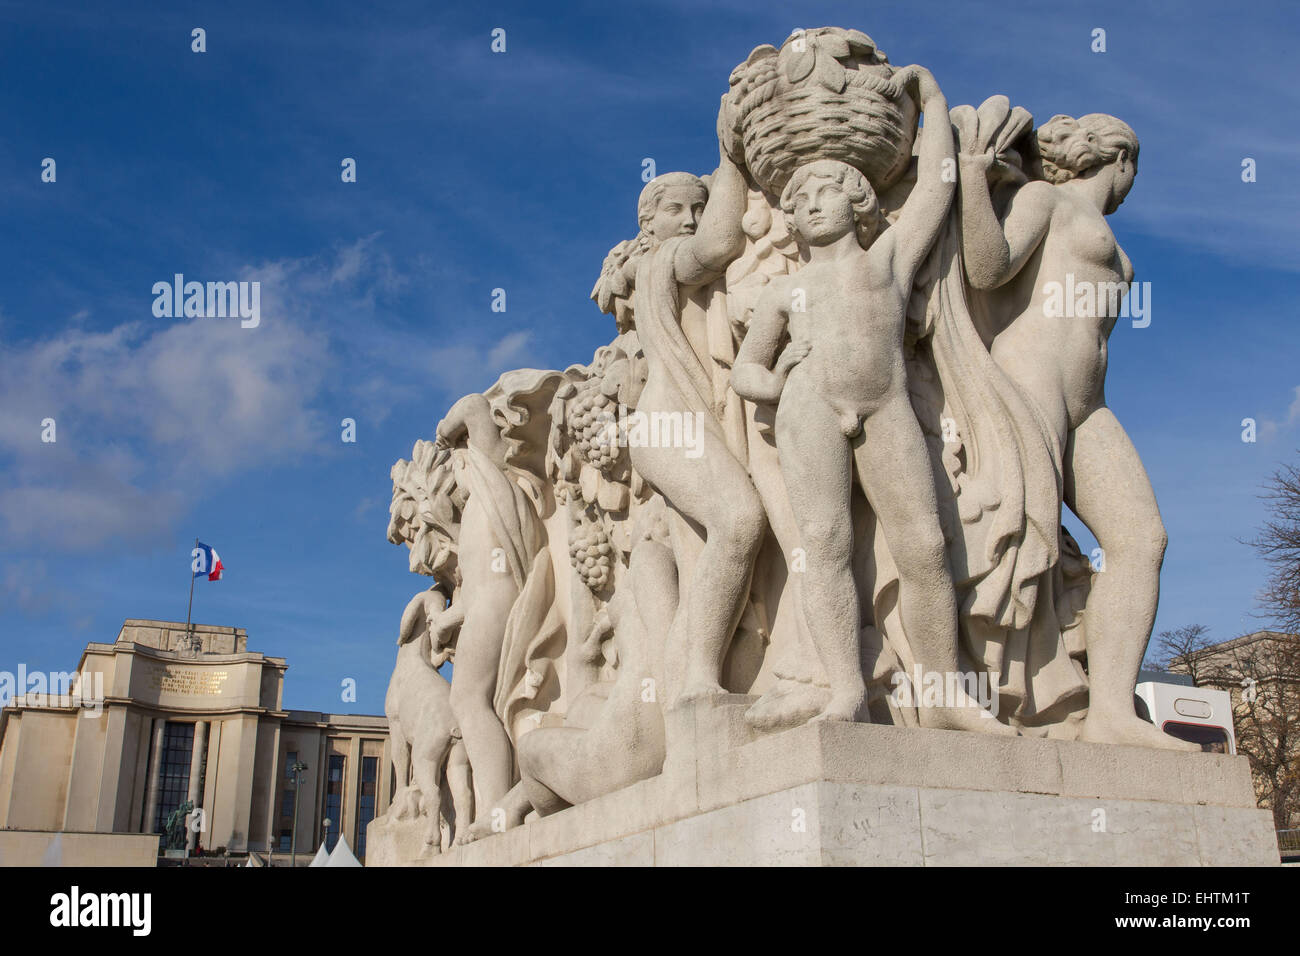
(169, 679)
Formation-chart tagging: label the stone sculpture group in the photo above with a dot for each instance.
(822, 462)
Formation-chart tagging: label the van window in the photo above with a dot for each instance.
(1212, 739)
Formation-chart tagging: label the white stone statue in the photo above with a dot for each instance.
(693, 234)
(824, 458)
(844, 409)
(1050, 233)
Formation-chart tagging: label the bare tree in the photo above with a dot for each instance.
(1263, 676)
(1177, 650)
(1269, 669)
(1278, 543)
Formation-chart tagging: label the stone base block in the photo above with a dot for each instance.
(868, 795)
(398, 843)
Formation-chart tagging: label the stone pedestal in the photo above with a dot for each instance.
(866, 795)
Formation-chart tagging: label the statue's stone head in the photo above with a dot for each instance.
(671, 205)
(1097, 143)
(826, 199)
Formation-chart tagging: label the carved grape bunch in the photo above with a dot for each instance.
(591, 553)
(592, 425)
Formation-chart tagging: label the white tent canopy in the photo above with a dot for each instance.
(321, 857)
(342, 855)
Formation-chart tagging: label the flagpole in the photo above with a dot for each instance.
(190, 606)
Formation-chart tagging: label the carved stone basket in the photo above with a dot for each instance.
(826, 94)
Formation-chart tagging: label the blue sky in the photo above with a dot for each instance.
(518, 170)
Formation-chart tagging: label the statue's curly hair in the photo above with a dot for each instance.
(866, 205)
(1069, 146)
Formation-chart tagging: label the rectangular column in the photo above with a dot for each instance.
(196, 771)
(351, 793)
(155, 775)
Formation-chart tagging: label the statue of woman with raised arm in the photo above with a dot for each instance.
(692, 233)
(1053, 233)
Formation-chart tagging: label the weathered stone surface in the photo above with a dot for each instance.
(795, 533)
(859, 794)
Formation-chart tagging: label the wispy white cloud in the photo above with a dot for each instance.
(151, 415)
(1270, 429)
(140, 413)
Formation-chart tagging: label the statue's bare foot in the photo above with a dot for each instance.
(1132, 730)
(511, 816)
(475, 831)
(976, 719)
(699, 689)
(844, 707)
(965, 714)
(789, 704)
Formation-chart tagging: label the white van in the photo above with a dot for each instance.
(1200, 715)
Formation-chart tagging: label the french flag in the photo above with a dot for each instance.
(207, 561)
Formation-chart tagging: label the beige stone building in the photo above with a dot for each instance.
(155, 719)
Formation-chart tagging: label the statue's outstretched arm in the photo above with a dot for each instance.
(924, 212)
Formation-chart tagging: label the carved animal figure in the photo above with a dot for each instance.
(425, 740)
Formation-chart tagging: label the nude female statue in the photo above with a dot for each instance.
(693, 233)
(841, 389)
(1048, 231)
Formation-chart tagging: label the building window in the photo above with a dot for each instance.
(286, 805)
(333, 800)
(366, 802)
(286, 840)
(174, 779)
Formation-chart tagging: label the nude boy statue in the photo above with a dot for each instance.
(842, 403)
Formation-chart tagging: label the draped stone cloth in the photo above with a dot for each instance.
(1010, 489)
(535, 638)
(1003, 515)
(659, 327)
(534, 625)
(509, 510)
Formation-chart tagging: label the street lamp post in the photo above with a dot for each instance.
(295, 774)
(325, 837)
